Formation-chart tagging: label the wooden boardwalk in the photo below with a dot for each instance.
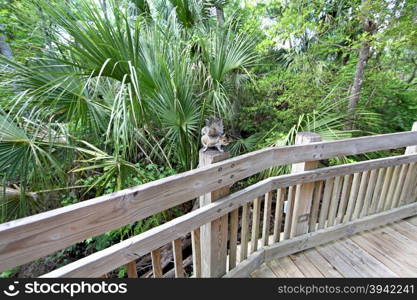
(387, 251)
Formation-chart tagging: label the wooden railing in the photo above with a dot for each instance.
(344, 199)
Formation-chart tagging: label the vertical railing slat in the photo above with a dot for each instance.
(361, 195)
(289, 211)
(244, 234)
(382, 201)
(256, 216)
(347, 183)
(324, 210)
(266, 218)
(334, 203)
(370, 189)
(377, 191)
(196, 249)
(279, 213)
(394, 182)
(318, 190)
(234, 226)
(131, 270)
(156, 263)
(408, 184)
(400, 186)
(352, 197)
(178, 261)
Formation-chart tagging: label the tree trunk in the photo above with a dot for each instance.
(364, 54)
(357, 82)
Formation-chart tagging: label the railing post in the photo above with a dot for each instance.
(304, 192)
(214, 235)
(412, 149)
(410, 189)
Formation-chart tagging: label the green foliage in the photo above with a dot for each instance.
(8, 273)
(26, 151)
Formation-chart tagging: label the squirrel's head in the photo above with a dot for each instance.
(224, 140)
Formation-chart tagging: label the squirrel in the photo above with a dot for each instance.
(212, 135)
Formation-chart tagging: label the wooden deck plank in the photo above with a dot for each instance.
(277, 269)
(410, 244)
(376, 268)
(286, 268)
(263, 272)
(382, 255)
(306, 266)
(406, 229)
(290, 268)
(388, 251)
(398, 251)
(322, 264)
(338, 261)
(412, 220)
(354, 261)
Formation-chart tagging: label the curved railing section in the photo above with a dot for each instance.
(234, 233)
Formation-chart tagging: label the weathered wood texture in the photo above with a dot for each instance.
(340, 264)
(256, 215)
(324, 210)
(178, 260)
(279, 215)
(412, 149)
(169, 231)
(289, 211)
(339, 231)
(156, 263)
(29, 238)
(214, 235)
(318, 189)
(347, 180)
(334, 203)
(266, 218)
(196, 249)
(119, 254)
(304, 192)
(244, 235)
(131, 270)
(234, 227)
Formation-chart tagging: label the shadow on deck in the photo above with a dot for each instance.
(387, 251)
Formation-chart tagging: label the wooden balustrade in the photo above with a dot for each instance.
(275, 216)
(117, 255)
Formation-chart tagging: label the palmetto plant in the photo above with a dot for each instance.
(328, 120)
(130, 80)
(27, 149)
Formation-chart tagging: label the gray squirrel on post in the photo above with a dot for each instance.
(212, 135)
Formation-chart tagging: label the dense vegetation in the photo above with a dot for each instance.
(100, 95)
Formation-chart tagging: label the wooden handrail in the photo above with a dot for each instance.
(26, 239)
(125, 251)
